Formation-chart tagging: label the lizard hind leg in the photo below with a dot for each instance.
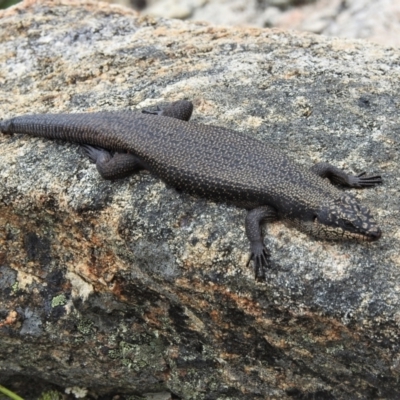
(112, 166)
(181, 109)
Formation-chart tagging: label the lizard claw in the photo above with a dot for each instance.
(94, 152)
(158, 111)
(261, 260)
(361, 181)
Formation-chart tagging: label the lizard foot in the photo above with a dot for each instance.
(94, 153)
(157, 111)
(261, 260)
(5, 127)
(360, 180)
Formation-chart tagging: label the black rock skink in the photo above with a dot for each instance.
(215, 163)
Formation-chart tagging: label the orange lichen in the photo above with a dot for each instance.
(11, 318)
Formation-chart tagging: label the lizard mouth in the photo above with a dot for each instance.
(368, 236)
(373, 236)
(331, 232)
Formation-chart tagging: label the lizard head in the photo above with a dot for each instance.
(345, 218)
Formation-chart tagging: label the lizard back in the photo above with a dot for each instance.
(210, 161)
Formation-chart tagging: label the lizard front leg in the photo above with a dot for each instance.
(339, 177)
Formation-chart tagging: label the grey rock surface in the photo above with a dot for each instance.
(130, 287)
(375, 20)
(259, 13)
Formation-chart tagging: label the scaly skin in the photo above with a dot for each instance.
(215, 163)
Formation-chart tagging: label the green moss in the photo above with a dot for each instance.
(15, 287)
(8, 3)
(51, 395)
(59, 300)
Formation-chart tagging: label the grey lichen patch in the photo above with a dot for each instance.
(140, 356)
(156, 258)
(85, 326)
(8, 278)
(77, 392)
(32, 324)
(156, 396)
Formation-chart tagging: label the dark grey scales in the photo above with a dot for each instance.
(215, 163)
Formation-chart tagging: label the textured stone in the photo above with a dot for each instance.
(130, 287)
(375, 20)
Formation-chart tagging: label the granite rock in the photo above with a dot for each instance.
(375, 20)
(130, 287)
